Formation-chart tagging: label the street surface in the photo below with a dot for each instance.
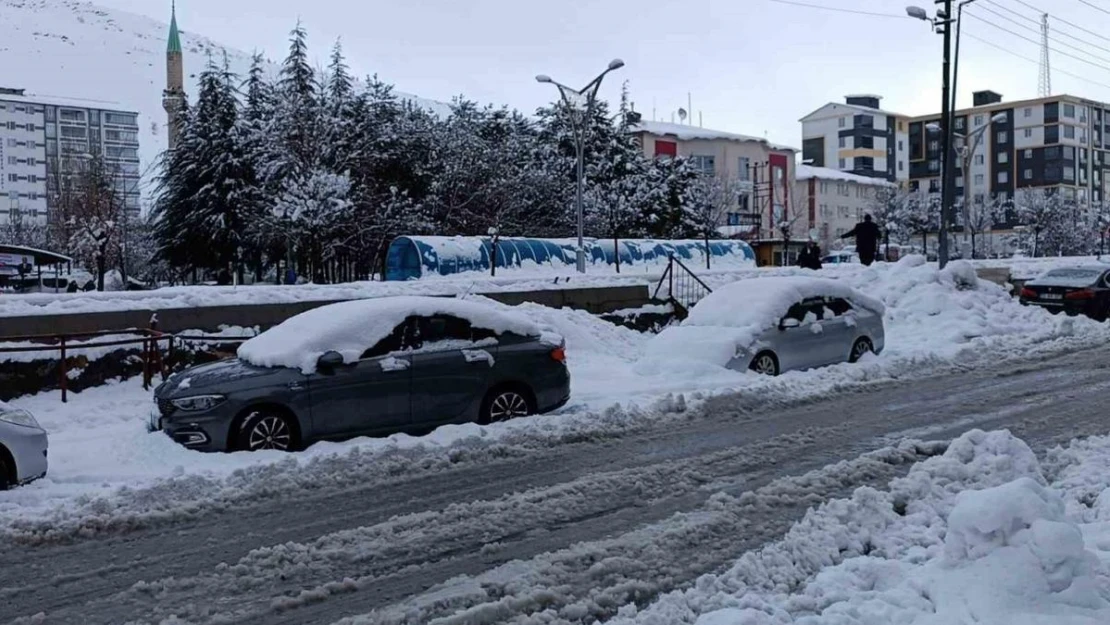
(573, 531)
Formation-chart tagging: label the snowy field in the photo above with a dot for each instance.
(106, 467)
(520, 279)
(984, 533)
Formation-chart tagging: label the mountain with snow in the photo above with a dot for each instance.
(106, 58)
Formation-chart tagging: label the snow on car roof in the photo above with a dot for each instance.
(351, 328)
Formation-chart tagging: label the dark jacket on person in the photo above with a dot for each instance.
(867, 240)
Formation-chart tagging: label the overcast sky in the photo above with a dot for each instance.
(751, 66)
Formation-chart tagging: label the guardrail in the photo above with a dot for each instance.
(156, 361)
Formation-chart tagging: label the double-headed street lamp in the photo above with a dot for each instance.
(575, 100)
(966, 151)
(942, 24)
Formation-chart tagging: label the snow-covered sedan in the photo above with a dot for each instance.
(367, 367)
(772, 325)
(23, 445)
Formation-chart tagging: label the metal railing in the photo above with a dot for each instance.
(155, 359)
(684, 287)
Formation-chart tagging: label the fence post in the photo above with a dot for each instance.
(167, 365)
(670, 275)
(65, 373)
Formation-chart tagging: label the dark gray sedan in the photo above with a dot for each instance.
(370, 367)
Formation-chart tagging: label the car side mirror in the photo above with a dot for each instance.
(789, 322)
(329, 360)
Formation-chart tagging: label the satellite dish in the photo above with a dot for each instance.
(682, 114)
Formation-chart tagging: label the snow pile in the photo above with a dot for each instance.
(975, 535)
(351, 328)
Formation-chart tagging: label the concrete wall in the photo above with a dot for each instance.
(210, 318)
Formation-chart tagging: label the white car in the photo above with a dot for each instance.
(23, 445)
(772, 325)
(840, 258)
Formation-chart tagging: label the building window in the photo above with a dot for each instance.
(1003, 157)
(1069, 110)
(71, 115)
(959, 123)
(841, 164)
(844, 142)
(934, 145)
(978, 179)
(121, 119)
(1069, 132)
(978, 120)
(1027, 112)
(1003, 137)
(842, 188)
(1028, 132)
(979, 160)
(934, 165)
(901, 146)
(701, 163)
(1069, 174)
(1051, 134)
(842, 122)
(744, 165)
(74, 132)
(1003, 177)
(1028, 174)
(901, 166)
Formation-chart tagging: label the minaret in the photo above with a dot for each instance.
(173, 98)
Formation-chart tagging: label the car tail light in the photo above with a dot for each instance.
(1028, 293)
(559, 354)
(1081, 294)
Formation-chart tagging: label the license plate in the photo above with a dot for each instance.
(1056, 296)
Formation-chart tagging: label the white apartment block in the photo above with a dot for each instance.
(38, 135)
(834, 201)
(764, 171)
(857, 137)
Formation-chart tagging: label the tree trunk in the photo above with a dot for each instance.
(101, 265)
(707, 254)
(617, 252)
(972, 245)
(925, 243)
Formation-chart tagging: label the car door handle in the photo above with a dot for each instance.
(296, 386)
(478, 357)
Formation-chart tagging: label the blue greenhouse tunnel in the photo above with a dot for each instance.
(415, 257)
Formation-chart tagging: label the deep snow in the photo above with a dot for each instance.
(982, 534)
(933, 320)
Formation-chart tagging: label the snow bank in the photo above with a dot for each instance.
(977, 534)
(351, 328)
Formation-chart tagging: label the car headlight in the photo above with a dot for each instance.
(198, 402)
(20, 417)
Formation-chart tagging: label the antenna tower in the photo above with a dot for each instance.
(1044, 83)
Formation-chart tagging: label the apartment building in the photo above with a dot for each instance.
(39, 136)
(1054, 142)
(764, 171)
(857, 137)
(834, 201)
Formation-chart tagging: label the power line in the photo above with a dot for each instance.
(1056, 31)
(838, 9)
(1037, 30)
(1020, 36)
(1034, 61)
(1062, 21)
(1095, 6)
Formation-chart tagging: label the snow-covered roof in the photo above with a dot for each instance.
(351, 328)
(52, 100)
(690, 133)
(854, 107)
(805, 172)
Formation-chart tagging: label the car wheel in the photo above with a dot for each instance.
(765, 363)
(266, 429)
(861, 347)
(505, 403)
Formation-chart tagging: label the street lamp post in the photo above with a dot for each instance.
(942, 24)
(579, 125)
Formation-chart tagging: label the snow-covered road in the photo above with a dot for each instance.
(515, 532)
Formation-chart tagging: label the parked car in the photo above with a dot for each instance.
(23, 446)
(367, 367)
(1079, 290)
(772, 325)
(840, 258)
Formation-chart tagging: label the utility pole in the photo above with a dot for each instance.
(946, 186)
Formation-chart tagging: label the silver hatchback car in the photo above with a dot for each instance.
(23, 445)
(772, 325)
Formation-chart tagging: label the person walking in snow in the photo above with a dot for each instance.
(867, 239)
(814, 251)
